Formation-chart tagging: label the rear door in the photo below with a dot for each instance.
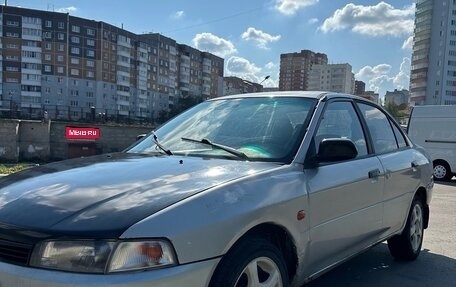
(402, 170)
(345, 197)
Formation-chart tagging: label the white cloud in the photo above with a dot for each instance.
(270, 66)
(67, 9)
(239, 65)
(244, 69)
(262, 39)
(380, 79)
(408, 44)
(379, 20)
(312, 20)
(213, 44)
(402, 79)
(290, 7)
(178, 14)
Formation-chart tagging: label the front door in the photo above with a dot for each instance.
(345, 197)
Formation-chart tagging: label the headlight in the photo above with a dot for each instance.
(98, 256)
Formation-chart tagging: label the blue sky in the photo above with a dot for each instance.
(373, 36)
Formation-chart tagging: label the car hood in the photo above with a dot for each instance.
(101, 196)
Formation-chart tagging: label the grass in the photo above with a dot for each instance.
(12, 168)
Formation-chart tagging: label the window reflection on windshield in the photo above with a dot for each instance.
(263, 128)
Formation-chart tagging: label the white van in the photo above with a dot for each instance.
(434, 128)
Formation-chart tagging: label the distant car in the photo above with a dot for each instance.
(265, 189)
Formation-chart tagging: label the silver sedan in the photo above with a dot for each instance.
(266, 189)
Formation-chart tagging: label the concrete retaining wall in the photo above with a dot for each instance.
(9, 138)
(43, 141)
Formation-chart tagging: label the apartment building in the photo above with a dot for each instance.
(295, 69)
(236, 85)
(73, 68)
(331, 77)
(433, 70)
(397, 97)
(360, 87)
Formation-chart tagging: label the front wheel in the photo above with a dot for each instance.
(253, 262)
(407, 245)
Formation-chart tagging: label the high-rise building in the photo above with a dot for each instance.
(295, 69)
(331, 77)
(73, 68)
(433, 71)
(360, 87)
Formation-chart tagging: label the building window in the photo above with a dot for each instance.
(90, 63)
(90, 42)
(61, 25)
(75, 39)
(47, 35)
(90, 53)
(61, 36)
(12, 23)
(74, 72)
(47, 57)
(60, 58)
(12, 35)
(91, 32)
(48, 24)
(90, 74)
(48, 46)
(75, 50)
(12, 69)
(48, 68)
(60, 70)
(75, 29)
(61, 47)
(74, 61)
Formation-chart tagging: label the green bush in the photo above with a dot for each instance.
(12, 168)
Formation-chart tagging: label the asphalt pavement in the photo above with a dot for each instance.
(436, 265)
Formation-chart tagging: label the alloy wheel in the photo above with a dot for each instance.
(260, 272)
(416, 227)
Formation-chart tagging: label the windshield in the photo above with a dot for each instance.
(260, 128)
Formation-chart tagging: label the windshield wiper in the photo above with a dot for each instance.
(219, 146)
(159, 145)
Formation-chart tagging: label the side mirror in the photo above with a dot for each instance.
(336, 149)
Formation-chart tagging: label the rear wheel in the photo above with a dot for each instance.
(442, 170)
(251, 263)
(407, 245)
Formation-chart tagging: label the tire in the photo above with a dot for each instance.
(250, 263)
(407, 245)
(442, 171)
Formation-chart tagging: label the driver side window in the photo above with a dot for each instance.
(341, 121)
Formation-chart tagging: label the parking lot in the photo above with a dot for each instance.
(436, 265)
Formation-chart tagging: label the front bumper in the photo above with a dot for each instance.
(189, 275)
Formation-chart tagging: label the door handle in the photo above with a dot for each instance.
(374, 173)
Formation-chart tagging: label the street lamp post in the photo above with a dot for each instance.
(265, 78)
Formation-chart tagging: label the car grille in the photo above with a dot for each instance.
(14, 252)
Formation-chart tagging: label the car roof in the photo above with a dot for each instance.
(319, 95)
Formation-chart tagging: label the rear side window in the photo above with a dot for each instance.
(380, 128)
(401, 142)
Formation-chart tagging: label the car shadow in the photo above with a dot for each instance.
(451, 182)
(377, 268)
